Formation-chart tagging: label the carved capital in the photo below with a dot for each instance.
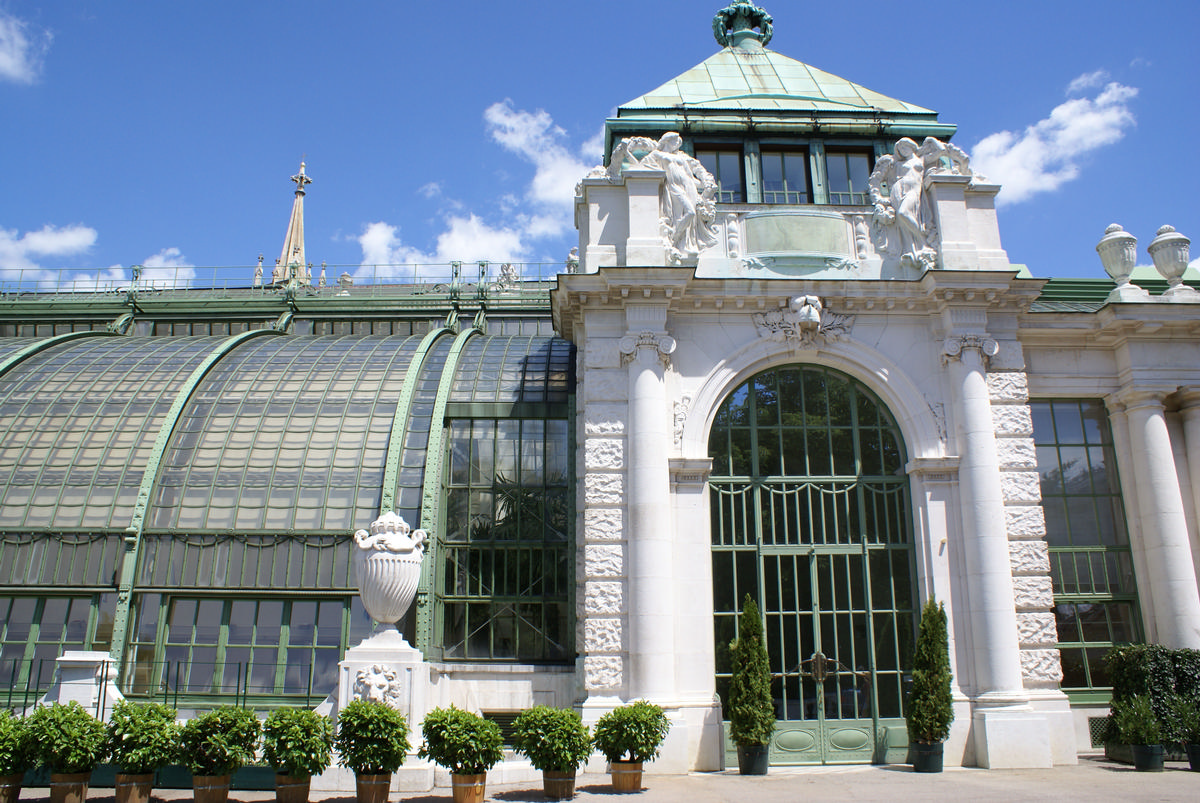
(631, 344)
(953, 347)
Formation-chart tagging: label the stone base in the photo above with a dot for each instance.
(1011, 738)
(403, 683)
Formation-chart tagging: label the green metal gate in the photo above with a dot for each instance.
(811, 517)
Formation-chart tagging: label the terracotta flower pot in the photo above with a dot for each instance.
(210, 788)
(133, 788)
(468, 788)
(558, 785)
(69, 787)
(626, 776)
(10, 788)
(291, 788)
(372, 788)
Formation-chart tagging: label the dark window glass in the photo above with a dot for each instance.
(726, 168)
(785, 177)
(847, 173)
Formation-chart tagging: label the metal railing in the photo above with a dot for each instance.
(480, 278)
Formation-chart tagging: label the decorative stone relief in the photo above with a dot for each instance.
(1025, 522)
(603, 489)
(604, 419)
(738, 16)
(938, 409)
(1033, 593)
(1014, 419)
(682, 407)
(862, 237)
(604, 453)
(733, 236)
(606, 385)
(1016, 452)
(1037, 629)
(602, 353)
(605, 524)
(1008, 386)
(804, 323)
(1020, 486)
(1029, 557)
(380, 683)
(603, 672)
(603, 597)
(602, 635)
(1041, 666)
(603, 560)
(904, 222)
(630, 344)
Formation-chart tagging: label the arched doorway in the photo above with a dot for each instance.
(811, 516)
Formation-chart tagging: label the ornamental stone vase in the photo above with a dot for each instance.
(387, 560)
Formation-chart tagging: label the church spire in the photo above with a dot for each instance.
(291, 262)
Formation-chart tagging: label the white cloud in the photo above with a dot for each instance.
(1046, 154)
(167, 268)
(21, 50)
(1088, 80)
(20, 255)
(465, 239)
(431, 190)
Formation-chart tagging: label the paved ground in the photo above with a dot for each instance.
(1094, 780)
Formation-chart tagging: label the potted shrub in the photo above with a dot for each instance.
(298, 744)
(555, 741)
(142, 738)
(629, 736)
(215, 745)
(464, 743)
(1187, 721)
(70, 742)
(371, 740)
(16, 756)
(1137, 726)
(751, 708)
(930, 707)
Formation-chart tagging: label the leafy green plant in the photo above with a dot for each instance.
(220, 741)
(930, 707)
(66, 738)
(1135, 721)
(1183, 726)
(298, 742)
(16, 745)
(553, 739)
(142, 737)
(372, 738)
(462, 742)
(751, 708)
(632, 732)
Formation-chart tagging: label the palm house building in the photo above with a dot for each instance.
(790, 359)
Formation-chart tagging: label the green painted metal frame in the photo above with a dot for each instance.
(432, 485)
(133, 533)
(14, 359)
(395, 451)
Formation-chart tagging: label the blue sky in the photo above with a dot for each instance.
(164, 134)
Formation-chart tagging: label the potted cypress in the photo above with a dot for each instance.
(1137, 726)
(372, 741)
(555, 741)
(751, 708)
(70, 742)
(629, 736)
(16, 756)
(464, 743)
(298, 744)
(142, 738)
(215, 745)
(930, 707)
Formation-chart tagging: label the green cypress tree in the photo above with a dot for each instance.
(930, 706)
(751, 709)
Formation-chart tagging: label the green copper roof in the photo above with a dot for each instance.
(752, 77)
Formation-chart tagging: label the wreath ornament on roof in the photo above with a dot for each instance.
(742, 15)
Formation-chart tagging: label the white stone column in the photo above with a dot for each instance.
(1189, 411)
(1164, 534)
(650, 602)
(1118, 422)
(994, 642)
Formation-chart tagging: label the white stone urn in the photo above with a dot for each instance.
(388, 562)
(1169, 250)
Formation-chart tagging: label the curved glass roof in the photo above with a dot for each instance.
(78, 423)
(285, 433)
(282, 435)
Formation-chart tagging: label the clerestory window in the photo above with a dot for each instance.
(785, 177)
(726, 167)
(847, 173)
